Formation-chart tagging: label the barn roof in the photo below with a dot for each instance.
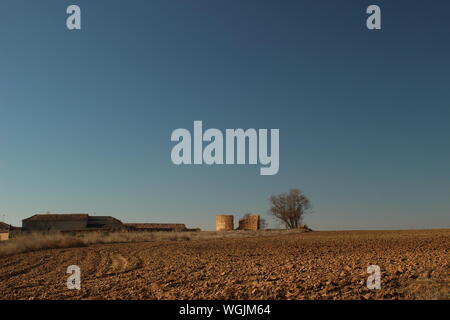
(157, 225)
(103, 218)
(4, 226)
(58, 217)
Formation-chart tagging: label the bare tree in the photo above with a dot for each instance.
(290, 208)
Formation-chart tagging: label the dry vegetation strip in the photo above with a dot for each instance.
(39, 241)
(316, 265)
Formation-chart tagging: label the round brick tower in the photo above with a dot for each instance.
(224, 222)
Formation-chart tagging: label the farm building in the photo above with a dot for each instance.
(4, 235)
(104, 222)
(69, 222)
(47, 222)
(4, 226)
(4, 231)
(85, 222)
(156, 227)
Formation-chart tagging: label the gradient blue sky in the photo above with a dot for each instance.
(86, 116)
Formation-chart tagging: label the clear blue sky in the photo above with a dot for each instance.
(86, 116)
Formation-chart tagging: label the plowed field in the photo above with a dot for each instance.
(317, 265)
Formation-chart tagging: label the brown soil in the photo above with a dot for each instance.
(415, 264)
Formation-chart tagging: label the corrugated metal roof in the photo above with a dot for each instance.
(58, 217)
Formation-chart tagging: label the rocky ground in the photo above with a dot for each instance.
(317, 265)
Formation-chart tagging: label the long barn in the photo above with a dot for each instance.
(69, 222)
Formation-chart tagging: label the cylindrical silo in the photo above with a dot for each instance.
(224, 222)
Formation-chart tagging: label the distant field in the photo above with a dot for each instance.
(415, 264)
